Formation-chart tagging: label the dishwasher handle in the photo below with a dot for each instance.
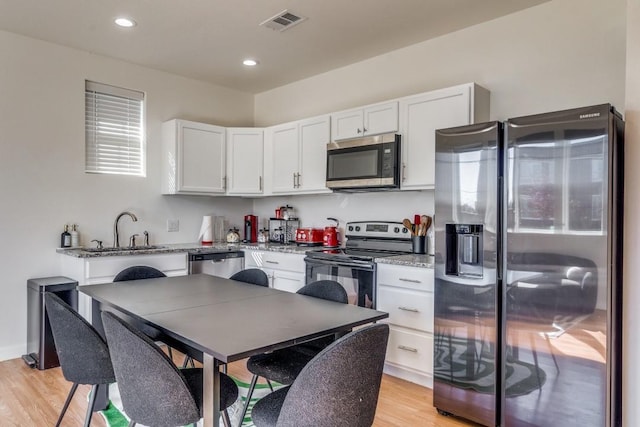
(215, 256)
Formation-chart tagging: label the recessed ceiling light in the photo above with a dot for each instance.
(125, 22)
(250, 62)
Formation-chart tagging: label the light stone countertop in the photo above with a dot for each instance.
(411, 260)
(185, 247)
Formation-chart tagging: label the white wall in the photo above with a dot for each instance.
(42, 179)
(560, 54)
(313, 210)
(631, 292)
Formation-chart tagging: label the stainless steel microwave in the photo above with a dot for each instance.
(367, 163)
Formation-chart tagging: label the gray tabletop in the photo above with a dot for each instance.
(226, 319)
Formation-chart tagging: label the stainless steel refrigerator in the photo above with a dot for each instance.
(528, 262)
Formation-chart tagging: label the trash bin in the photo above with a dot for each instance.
(41, 350)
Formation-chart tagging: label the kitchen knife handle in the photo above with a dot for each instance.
(411, 349)
(413, 310)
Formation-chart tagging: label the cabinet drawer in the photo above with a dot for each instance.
(411, 349)
(417, 278)
(105, 269)
(406, 307)
(275, 260)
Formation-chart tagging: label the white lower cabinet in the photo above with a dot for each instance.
(406, 293)
(285, 271)
(92, 271)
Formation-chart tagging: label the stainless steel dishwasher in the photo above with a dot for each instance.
(223, 263)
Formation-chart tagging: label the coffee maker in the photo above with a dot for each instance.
(250, 229)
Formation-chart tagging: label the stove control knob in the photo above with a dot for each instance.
(404, 230)
(351, 228)
(357, 228)
(396, 230)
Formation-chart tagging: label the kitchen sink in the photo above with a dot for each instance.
(125, 249)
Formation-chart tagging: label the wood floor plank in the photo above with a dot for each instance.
(29, 397)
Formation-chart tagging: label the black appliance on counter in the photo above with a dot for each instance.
(250, 229)
(354, 266)
(528, 270)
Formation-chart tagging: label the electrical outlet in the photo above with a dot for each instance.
(173, 225)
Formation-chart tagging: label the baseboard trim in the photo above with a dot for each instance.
(406, 374)
(12, 352)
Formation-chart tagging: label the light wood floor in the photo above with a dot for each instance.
(29, 397)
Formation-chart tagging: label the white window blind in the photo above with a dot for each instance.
(114, 130)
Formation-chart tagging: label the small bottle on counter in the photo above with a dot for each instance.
(75, 236)
(65, 238)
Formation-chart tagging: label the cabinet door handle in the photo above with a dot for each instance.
(413, 310)
(404, 167)
(359, 131)
(298, 179)
(409, 280)
(364, 129)
(271, 262)
(405, 348)
(224, 182)
(260, 184)
(294, 180)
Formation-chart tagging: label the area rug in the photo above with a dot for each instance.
(114, 416)
(522, 377)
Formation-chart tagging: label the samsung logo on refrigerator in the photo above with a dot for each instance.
(589, 115)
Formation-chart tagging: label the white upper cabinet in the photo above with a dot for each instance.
(194, 160)
(421, 115)
(298, 159)
(370, 120)
(245, 161)
(284, 157)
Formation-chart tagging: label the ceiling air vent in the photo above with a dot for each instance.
(283, 21)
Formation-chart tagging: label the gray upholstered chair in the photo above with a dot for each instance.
(154, 391)
(138, 272)
(83, 354)
(255, 276)
(141, 272)
(283, 366)
(332, 390)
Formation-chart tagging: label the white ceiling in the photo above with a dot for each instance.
(208, 39)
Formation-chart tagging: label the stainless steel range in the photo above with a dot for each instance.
(354, 266)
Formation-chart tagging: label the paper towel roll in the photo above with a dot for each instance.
(206, 230)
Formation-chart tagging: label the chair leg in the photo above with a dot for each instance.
(74, 387)
(270, 386)
(252, 387)
(170, 353)
(92, 402)
(226, 420)
(187, 359)
(132, 423)
(553, 356)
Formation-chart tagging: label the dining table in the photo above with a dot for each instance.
(220, 320)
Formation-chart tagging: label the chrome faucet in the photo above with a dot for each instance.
(116, 239)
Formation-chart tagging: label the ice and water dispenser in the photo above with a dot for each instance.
(464, 250)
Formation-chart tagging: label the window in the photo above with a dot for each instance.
(114, 130)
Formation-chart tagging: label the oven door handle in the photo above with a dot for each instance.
(320, 263)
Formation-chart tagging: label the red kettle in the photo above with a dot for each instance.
(330, 236)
